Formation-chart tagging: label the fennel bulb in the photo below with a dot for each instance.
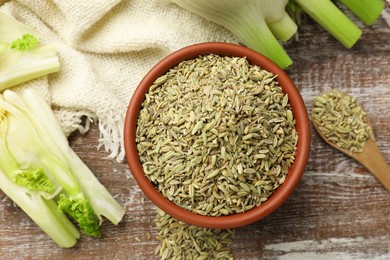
(254, 22)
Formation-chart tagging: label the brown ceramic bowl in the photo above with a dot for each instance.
(235, 220)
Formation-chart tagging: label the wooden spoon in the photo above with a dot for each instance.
(371, 157)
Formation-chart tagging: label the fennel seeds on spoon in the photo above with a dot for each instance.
(216, 135)
(342, 120)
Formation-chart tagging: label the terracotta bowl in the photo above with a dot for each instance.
(295, 172)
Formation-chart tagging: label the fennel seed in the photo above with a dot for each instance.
(179, 240)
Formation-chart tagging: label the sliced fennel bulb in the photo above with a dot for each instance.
(100, 199)
(43, 212)
(32, 141)
(22, 58)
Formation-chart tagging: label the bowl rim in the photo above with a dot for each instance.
(299, 112)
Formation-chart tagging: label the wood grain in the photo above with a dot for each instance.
(338, 211)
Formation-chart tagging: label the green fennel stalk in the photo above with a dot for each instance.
(326, 13)
(284, 29)
(367, 10)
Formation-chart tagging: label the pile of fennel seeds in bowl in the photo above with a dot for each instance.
(216, 135)
(342, 120)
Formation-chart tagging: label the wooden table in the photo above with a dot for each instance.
(338, 211)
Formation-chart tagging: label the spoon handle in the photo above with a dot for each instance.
(373, 160)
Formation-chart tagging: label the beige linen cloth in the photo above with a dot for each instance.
(105, 48)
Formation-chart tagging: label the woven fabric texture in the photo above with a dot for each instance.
(105, 48)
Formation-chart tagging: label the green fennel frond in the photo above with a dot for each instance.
(35, 180)
(81, 211)
(27, 42)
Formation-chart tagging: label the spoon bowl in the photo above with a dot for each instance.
(370, 157)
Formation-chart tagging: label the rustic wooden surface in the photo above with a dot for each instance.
(338, 211)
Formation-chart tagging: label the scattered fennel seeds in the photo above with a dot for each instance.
(179, 240)
(216, 135)
(342, 120)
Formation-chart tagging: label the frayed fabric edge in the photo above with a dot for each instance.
(111, 137)
(71, 121)
(110, 129)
